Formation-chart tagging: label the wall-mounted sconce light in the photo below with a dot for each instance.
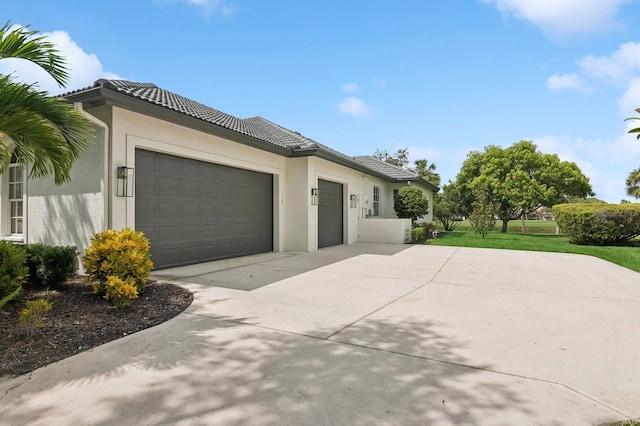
(124, 182)
(353, 201)
(314, 196)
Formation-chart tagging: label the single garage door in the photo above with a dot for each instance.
(329, 213)
(193, 211)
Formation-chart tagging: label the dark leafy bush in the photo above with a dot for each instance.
(598, 224)
(13, 270)
(50, 266)
(417, 234)
(410, 203)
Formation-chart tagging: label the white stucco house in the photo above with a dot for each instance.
(201, 184)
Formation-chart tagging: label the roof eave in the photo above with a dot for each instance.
(94, 94)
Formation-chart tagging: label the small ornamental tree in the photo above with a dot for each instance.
(447, 207)
(483, 218)
(410, 203)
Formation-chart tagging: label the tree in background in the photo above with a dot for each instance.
(410, 203)
(519, 180)
(447, 207)
(426, 171)
(483, 216)
(633, 183)
(49, 134)
(637, 129)
(633, 180)
(401, 159)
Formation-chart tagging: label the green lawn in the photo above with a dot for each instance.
(629, 257)
(531, 226)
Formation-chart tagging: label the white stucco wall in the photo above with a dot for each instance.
(298, 205)
(396, 231)
(71, 213)
(132, 130)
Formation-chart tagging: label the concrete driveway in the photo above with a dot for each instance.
(407, 335)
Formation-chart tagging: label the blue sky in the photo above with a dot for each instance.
(440, 78)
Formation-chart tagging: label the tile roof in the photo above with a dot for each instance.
(385, 168)
(256, 127)
(153, 94)
(271, 132)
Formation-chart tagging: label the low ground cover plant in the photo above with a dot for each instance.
(32, 317)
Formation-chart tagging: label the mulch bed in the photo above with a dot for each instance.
(78, 321)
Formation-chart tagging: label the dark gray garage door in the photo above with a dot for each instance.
(193, 211)
(329, 213)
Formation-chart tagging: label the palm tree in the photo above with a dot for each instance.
(427, 171)
(633, 183)
(48, 133)
(637, 129)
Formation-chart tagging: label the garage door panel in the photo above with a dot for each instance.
(330, 213)
(193, 211)
(189, 189)
(189, 168)
(168, 165)
(167, 212)
(145, 161)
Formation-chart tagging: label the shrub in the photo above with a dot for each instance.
(122, 254)
(482, 219)
(32, 317)
(50, 266)
(410, 203)
(417, 234)
(119, 292)
(598, 224)
(13, 270)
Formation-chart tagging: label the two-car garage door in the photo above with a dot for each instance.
(193, 211)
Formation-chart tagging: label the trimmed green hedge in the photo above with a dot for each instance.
(13, 269)
(417, 234)
(50, 266)
(598, 224)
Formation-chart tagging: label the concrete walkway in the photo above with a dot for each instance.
(408, 335)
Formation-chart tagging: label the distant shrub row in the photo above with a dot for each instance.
(598, 224)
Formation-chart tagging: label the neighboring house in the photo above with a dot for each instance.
(201, 184)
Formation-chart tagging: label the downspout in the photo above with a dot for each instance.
(106, 182)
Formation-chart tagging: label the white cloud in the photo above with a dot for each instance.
(207, 6)
(612, 158)
(432, 154)
(379, 83)
(350, 87)
(619, 67)
(84, 68)
(630, 100)
(355, 107)
(564, 17)
(559, 82)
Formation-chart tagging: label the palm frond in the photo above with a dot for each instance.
(23, 43)
(633, 183)
(49, 134)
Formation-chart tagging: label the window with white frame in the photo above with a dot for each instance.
(376, 201)
(15, 199)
